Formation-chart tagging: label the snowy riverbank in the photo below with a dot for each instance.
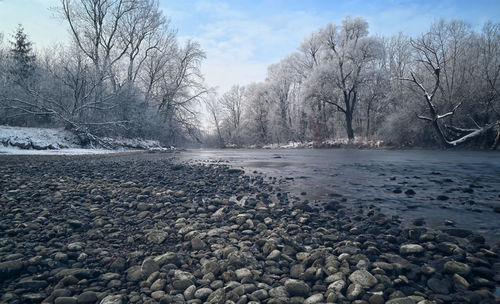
(36, 141)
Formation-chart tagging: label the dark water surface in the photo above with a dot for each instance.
(458, 186)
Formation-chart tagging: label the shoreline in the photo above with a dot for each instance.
(140, 228)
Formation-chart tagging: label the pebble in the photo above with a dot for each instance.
(133, 234)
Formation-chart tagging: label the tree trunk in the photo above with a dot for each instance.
(348, 125)
(497, 140)
(440, 133)
(368, 110)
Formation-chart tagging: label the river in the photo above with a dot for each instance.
(458, 188)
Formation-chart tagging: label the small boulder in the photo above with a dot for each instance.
(408, 249)
(363, 278)
(456, 267)
(297, 288)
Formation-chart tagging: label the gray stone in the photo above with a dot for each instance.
(363, 278)
(148, 267)
(210, 267)
(197, 243)
(202, 293)
(33, 297)
(112, 299)
(278, 292)
(182, 280)
(217, 297)
(9, 269)
(405, 300)
(243, 273)
(460, 282)
(218, 215)
(158, 285)
(61, 257)
(260, 294)
(134, 274)
(157, 236)
(314, 299)
(75, 246)
(87, 297)
(456, 267)
(189, 292)
(31, 285)
(65, 300)
(354, 291)
(437, 286)
(408, 249)
(168, 258)
(78, 273)
(376, 299)
(296, 270)
(274, 255)
(157, 294)
(338, 285)
(60, 292)
(297, 288)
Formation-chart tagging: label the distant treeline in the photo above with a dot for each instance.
(126, 73)
(438, 88)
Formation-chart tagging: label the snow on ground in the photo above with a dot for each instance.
(37, 138)
(68, 151)
(329, 143)
(42, 141)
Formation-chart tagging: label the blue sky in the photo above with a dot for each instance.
(241, 38)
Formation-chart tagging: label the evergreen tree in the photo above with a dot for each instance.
(22, 55)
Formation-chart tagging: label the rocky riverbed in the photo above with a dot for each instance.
(139, 228)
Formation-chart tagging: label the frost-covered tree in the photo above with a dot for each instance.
(232, 103)
(447, 75)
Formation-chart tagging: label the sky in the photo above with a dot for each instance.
(241, 38)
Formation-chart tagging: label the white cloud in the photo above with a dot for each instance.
(240, 46)
(37, 19)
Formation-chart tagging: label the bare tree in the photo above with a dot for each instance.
(257, 96)
(349, 50)
(215, 110)
(232, 104)
(433, 56)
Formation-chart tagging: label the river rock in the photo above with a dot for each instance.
(182, 280)
(134, 274)
(197, 244)
(148, 267)
(338, 285)
(65, 300)
(243, 273)
(217, 297)
(456, 267)
(189, 292)
(363, 278)
(437, 286)
(314, 299)
(112, 299)
(9, 269)
(405, 300)
(354, 291)
(408, 249)
(157, 236)
(88, 297)
(297, 288)
(376, 299)
(278, 292)
(274, 255)
(202, 293)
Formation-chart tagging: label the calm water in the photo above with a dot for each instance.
(469, 180)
